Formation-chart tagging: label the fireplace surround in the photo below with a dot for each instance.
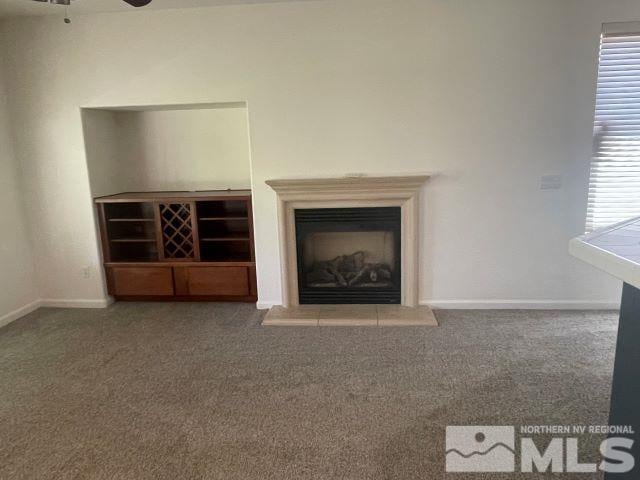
(401, 192)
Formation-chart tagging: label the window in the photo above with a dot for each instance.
(614, 185)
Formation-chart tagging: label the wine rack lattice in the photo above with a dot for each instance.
(177, 230)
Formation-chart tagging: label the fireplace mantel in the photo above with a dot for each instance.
(345, 192)
(349, 185)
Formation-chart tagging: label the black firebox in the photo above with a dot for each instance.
(349, 255)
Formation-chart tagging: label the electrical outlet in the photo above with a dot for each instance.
(86, 272)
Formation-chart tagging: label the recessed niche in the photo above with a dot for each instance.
(167, 148)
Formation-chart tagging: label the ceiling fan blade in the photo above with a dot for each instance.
(138, 3)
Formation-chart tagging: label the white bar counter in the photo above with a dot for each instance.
(616, 250)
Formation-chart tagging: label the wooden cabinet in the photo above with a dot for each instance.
(179, 245)
(212, 280)
(146, 281)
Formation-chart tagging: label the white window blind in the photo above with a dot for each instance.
(614, 185)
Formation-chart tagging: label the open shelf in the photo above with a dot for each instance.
(222, 219)
(133, 240)
(134, 211)
(136, 251)
(223, 208)
(224, 229)
(226, 239)
(130, 231)
(229, 251)
(132, 220)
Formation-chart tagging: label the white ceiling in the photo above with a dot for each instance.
(9, 8)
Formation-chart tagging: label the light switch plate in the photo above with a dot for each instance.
(551, 182)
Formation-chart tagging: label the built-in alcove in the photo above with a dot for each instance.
(174, 209)
(167, 148)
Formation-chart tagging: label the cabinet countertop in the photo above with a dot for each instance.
(614, 250)
(151, 196)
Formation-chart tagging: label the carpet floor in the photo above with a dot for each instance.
(202, 391)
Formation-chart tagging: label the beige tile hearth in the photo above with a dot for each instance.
(350, 316)
(304, 315)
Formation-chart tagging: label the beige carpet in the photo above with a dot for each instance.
(195, 391)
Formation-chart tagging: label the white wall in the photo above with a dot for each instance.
(106, 167)
(152, 150)
(490, 95)
(198, 149)
(18, 291)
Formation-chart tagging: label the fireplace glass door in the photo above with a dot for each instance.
(348, 255)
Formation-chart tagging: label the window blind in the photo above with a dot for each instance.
(614, 185)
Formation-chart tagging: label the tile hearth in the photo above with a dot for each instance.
(350, 316)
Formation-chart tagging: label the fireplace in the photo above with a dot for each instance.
(394, 198)
(349, 255)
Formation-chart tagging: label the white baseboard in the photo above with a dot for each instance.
(53, 303)
(19, 313)
(76, 303)
(498, 304)
(266, 305)
(521, 304)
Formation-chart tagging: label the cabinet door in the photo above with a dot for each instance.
(229, 281)
(134, 281)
